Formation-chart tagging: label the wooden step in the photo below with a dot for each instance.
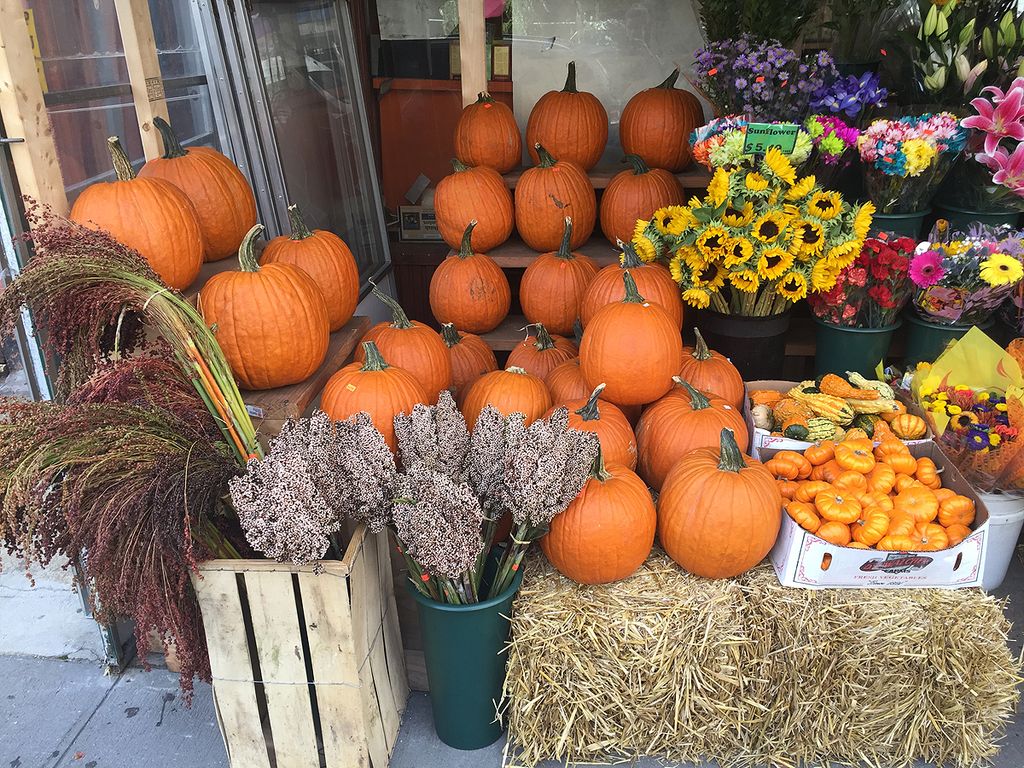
(515, 254)
(696, 177)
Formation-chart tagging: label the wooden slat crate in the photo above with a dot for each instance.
(307, 660)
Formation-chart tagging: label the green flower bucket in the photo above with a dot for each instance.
(961, 218)
(909, 224)
(839, 349)
(926, 340)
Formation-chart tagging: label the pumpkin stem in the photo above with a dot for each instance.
(450, 335)
(546, 160)
(374, 360)
(398, 317)
(731, 457)
(632, 293)
(516, 370)
(459, 166)
(247, 252)
(570, 79)
(544, 341)
(597, 470)
(670, 81)
(172, 147)
(564, 252)
(484, 98)
(629, 258)
(466, 249)
(698, 400)
(700, 348)
(590, 412)
(299, 229)
(639, 166)
(122, 165)
(577, 331)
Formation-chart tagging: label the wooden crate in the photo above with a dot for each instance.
(307, 660)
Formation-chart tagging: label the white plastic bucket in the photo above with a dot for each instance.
(1006, 518)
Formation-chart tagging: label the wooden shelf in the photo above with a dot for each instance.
(515, 254)
(695, 178)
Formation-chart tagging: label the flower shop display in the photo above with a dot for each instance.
(469, 289)
(656, 123)
(470, 356)
(552, 288)
(856, 318)
(835, 148)
(852, 96)
(572, 124)
(720, 144)
(546, 194)
(487, 134)
(636, 194)
(540, 353)
(653, 281)
(474, 193)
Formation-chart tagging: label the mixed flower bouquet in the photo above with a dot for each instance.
(870, 292)
(906, 159)
(835, 147)
(719, 144)
(760, 240)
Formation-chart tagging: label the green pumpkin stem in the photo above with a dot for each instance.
(670, 82)
(172, 147)
(247, 252)
(122, 165)
(373, 360)
(459, 166)
(570, 79)
(577, 331)
(698, 400)
(299, 229)
(398, 317)
(544, 341)
(700, 348)
(731, 457)
(638, 164)
(632, 293)
(450, 335)
(564, 251)
(590, 411)
(597, 469)
(484, 98)
(629, 258)
(546, 160)
(466, 249)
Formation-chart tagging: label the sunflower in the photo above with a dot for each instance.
(843, 255)
(697, 297)
(779, 165)
(691, 257)
(738, 250)
(680, 219)
(801, 189)
(773, 263)
(745, 280)
(738, 217)
(712, 277)
(808, 238)
(1000, 269)
(718, 188)
(640, 228)
(756, 182)
(769, 226)
(711, 241)
(963, 420)
(678, 268)
(823, 275)
(645, 249)
(793, 286)
(862, 220)
(825, 204)
(661, 219)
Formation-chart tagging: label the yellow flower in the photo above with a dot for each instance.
(1000, 269)
(718, 189)
(801, 189)
(711, 241)
(745, 280)
(733, 217)
(773, 263)
(697, 297)
(678, 269)
(793, 286)
(825, 204)
(779, 165)
(953, 410)
(640, 228)
(645, 249)
(661, 218)
(680, 220)
(823, 275)
(919, 154)
(808, 238)
(844, 254)
(862, 220)
(712, 277)
(692, 257)
(994, 439)
(756, 182)
(738, 250)
(769, 226)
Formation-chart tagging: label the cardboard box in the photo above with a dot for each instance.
(803, 560)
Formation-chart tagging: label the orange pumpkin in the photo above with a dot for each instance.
(943, 493)
(821, 453)
(810, 488)
(542, 353)
(788, 488)
(857, 545)
(633, 347)
(789, 465)
(849, 481)
(487, 134)
(908, 427)
(896, 455)
(856, 455)
(927, 473)
(636, 194)
(834, 533)
(956, 510)
(510, 391)
(552, 288)
(469, 289)
(474, 194)
(682, 421)
(711, 371)
(804, 514)
(903, 482)
(566, 383)
(875, 500)
(838, 506)
(898, 409)
(930, 537)
(919, 502)
(381, 390)
(270, 321)
(870, 527)
(901, 523)
(957, 533)
(323, 256)
(607, 532)
(897, 543)
(881, 478)
(546, 194)
(604, 419)
(149, 215)
(719, 511)
(470, 357)
(571, 123)
(656, 124)
(652, 280)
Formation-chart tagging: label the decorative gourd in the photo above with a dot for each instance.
(711, 371)
(762, 417)
(927, 473)
(833, 408)
(545, 195)
(607, 532)
(552, 287)
(323, 256)
(270, 321)
(656, 124)
(381, 390)
(542, 353)
(804, 515)
(653, 281)
(510, 391)
(572, 124)
(918, 502)
(819, 428)
(487, 134)
(838, 506)
(884, 390)
(834, 533)
(908, 427)
(566, 383)
(767, 397)
(225, 205)
(633, 347)
(469, 289)
(956, 510)
(411, 345)
(788, 465)
(636, 194)
(606, 420)
(834, 385)
(149, 215)
(719, 511)
(470, 357)
(474, 194)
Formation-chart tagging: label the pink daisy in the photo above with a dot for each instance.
(926, 269)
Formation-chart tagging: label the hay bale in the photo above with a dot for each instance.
(746, 672)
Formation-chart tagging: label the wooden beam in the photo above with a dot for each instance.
(24, 113)
(136, 27)
(472, 49)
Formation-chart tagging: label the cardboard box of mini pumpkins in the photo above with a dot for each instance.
(801, 559)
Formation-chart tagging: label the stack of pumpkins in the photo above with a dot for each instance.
(273, 318)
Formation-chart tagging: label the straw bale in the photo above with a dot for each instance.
(749, 673)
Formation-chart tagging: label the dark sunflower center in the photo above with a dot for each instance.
(769, 229)
(824, 204)
(733, 213)
(773, 261)
(791, 284)
(715, 241)
(708, 273)
(810, 236)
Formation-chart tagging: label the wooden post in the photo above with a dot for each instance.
(143, 69)
(472, 49)
(24, 113)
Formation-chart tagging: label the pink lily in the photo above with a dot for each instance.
(998, 94)
(1001, 120)
(1010, 171)
(994, 161)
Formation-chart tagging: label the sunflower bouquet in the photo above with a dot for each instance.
(720, 143)
(760, 240)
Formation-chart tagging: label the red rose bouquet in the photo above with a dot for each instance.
(870, 292)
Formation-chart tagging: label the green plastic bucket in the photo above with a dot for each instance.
(909, 224)
(926, 341)
(839, 349)
(464, 651)
(961, 218)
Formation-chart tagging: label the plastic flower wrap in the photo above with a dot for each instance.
(762, 239)
(835, 147)
(719, 144)
(871, 291)
(905, 160)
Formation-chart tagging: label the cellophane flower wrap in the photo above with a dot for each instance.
(760, 240)
(906, 159)
(961, 279)
(719, 144)
(870, 292)
(835, 147)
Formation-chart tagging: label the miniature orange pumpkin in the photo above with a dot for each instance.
(870, 527)
(881, 478)
(836, 506)
(956, 510)
(930, 537)
(897, 543)
(927, 473)
(901, 523)
(788, 488)
(919, 502)
(957, 533)
(821, 453)
(834, 533)
(850, 481)
(789, 465)
(896, 455)
(804, 514)
(811, 488)
(908, 427)
(856, 455)
(903, 482)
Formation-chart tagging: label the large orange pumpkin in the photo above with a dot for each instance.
(487, 134)
(636, 194)
(324, 257)
(608, 530)
(545, 195)
(381, 390)
(607, 421)
(223, 198)
(271, 321)
(469, 289)
(474, 194)
(149, 215)
(711, 371)
(572, 124)
(510, 391)
(566, 383)
(682, 421)
(552, 287)
(652, 280)
(541, 353)
(719, 511)
(656, 124)
(633, 347)
(471, 358)
(411, 345)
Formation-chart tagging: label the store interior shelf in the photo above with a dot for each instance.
(515, 254)
(695, 178)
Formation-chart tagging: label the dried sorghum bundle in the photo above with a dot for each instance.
(435, 436)
(368, 468)
(487, 459)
